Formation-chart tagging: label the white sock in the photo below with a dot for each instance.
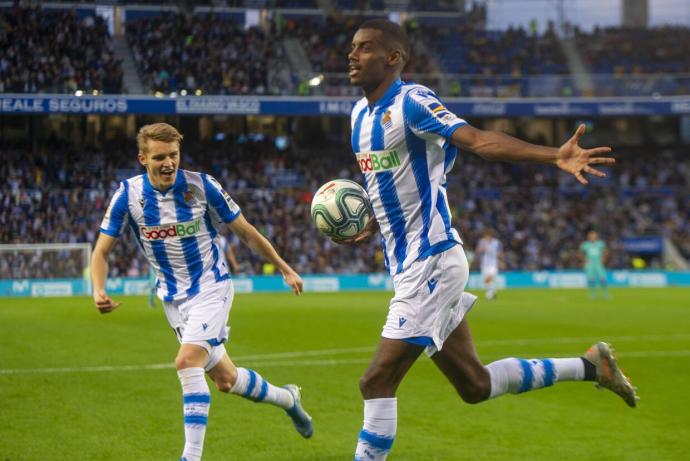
(377, 436)
(251, 385)
(197, 400)
(520, 375)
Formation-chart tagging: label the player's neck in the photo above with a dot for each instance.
(160, 187)
(374, 95)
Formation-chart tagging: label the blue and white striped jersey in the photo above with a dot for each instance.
(402, 144)
(177, 230)
(490, 249)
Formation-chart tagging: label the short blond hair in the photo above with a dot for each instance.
(158, 132)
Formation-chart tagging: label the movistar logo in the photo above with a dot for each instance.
(378, 161)
(183, 229)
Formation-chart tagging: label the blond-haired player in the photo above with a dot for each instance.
(176, 216)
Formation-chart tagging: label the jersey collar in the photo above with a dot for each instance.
(390, 93)
(179, 182)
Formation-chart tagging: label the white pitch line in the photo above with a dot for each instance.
(268, 360)
(574, 340)
(318, 352)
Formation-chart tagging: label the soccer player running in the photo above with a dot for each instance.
(175, 216)
(405, 142)
(594, 252)
(490, 254)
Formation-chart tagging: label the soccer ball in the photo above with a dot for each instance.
(341, 209)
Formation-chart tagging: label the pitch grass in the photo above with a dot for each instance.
(323, 343)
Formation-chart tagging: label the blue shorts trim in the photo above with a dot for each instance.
(425, 341)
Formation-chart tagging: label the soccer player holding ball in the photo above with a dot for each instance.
(405, 142)
(176, 216)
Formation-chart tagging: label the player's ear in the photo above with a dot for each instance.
(396, 58)
(142, 158)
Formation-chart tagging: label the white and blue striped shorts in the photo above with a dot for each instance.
(203, 318)
(429, 300)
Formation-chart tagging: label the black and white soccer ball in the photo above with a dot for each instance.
(341, 209)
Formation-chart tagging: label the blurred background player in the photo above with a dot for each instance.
(490, 255)
(594, 253)
(176, 216)
(228, 250)
(152, 287)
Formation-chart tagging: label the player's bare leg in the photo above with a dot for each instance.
(391, 362)
(490, 287)
(251, 385)
(458, 360)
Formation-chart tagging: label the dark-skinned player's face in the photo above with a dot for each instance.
(369, 59)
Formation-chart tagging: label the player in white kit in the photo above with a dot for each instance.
(175, 215)
(405, 142)
(490, 254)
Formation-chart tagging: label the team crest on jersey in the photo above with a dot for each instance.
(188, 196)
(386, 120)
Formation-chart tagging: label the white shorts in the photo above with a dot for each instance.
(489, 271)
(203, 318)
(429, 301)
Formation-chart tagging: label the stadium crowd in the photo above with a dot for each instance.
(59, 194)
(56, 52)
(176, 52)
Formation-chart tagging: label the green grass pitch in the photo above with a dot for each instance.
(76, 385)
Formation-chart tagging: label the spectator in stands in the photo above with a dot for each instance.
(65, 189)
(57, 52)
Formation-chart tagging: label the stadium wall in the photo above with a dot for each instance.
(359, 282)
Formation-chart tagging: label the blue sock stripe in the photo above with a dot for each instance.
(527, 376)
(264, 390)
(250, 387)
(200, 420)
(196, 398)
(377, 441)
(549, 372)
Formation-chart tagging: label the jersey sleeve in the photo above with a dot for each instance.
(219, 200)
(114, 219)
(425, 113)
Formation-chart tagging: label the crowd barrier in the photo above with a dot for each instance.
(359, 282)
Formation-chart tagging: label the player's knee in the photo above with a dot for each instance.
(183, 361)
(377, 382)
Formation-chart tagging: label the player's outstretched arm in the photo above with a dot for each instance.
(260, 245)
(570, 157)
(99, 273)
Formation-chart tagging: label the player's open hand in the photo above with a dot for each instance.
(577, 161)
(369, 231)
(104, 303)
(293, 279)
